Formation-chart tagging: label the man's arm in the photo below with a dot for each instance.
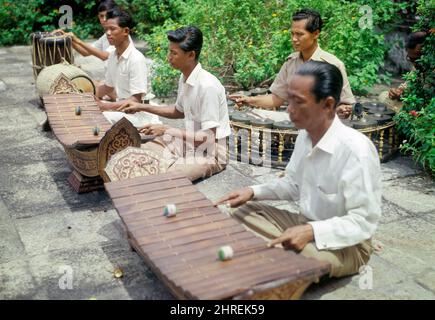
(103, 90)
(113, 106)
(83, 51)
(88, 49)
(270, 101)
(169, 112)
(83, 48)
(204, 138)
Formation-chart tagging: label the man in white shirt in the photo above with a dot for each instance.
(334, 173)
(199, 150)
(126, 72)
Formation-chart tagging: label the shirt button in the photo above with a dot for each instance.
(324, 245)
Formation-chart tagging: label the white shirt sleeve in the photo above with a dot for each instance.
(361, 188)
(210, 109)
(138, 76)
(99, 43)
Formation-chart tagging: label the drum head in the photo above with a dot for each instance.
(84, 83)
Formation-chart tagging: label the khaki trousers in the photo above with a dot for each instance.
(271, 222)
(194, 165)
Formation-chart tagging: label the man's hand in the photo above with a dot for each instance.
(239, 99)
(344, 111)
(154, 129)
(295, 238)
(62, 32)
(237, 198)
(104, 106)
(395, 93)
(131, 107)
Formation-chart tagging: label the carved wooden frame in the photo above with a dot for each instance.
(62, 84)
(122, 135)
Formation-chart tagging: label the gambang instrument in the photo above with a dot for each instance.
(182, 248)
(88, 138)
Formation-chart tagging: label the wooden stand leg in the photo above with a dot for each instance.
(82, 184)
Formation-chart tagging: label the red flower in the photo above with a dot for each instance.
(413, 113)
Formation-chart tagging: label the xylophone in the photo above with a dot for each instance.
(182, 247)
(88, 138)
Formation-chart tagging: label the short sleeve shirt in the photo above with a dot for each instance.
(128, 73)
(203, 101)
(294, 61)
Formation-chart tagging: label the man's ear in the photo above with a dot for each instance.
(330, 103)
(192, 54)
(316, 34)
(127, 30)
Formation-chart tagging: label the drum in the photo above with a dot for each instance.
(45, 81)
(182, 248)
(48, 49)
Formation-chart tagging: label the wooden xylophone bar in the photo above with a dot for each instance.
(87, 136)
(71, 129)
(182, 250)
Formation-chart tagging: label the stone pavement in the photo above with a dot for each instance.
(48, 231)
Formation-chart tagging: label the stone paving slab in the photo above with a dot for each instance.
(45, 225)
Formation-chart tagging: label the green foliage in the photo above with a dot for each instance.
(417, 118)
(18, 19)
(246, 42)
(149, 13)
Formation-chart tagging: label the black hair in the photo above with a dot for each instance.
(106, 5)
(328, 80)
(124, 18)
(314, 20)
(189, 39)
(415, 38)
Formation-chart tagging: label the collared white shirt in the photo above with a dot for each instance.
(202, 100)
(128, 74)
(337, 184)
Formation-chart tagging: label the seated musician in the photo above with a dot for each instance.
(334, 173)
(126, 74)
(305, 30)
(100, 48)
(199, 150)
(414, 46)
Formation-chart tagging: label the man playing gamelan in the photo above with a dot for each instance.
(199, 150)
(334, 174)
(305, 31)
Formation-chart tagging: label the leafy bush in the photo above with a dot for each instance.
(417, 118)
(246, 42)
(18, 19)
(149, 13)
